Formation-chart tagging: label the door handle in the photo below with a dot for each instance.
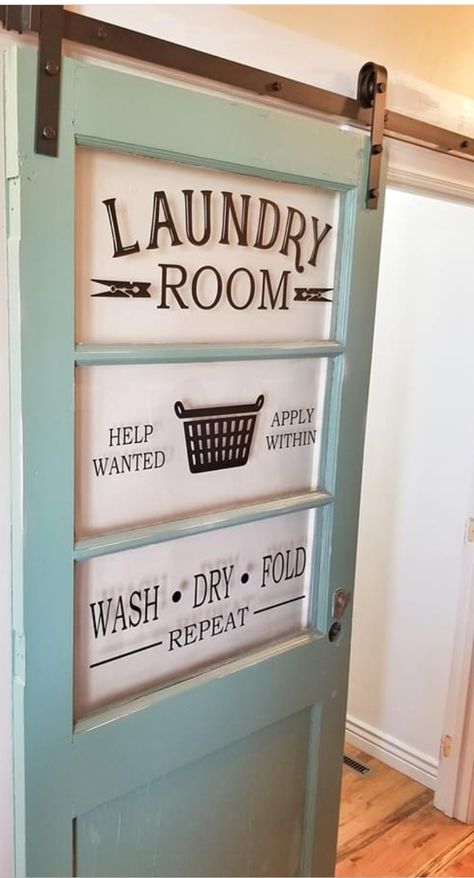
(340, 601)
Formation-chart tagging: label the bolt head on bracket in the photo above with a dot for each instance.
(51, 68)
(48, 132)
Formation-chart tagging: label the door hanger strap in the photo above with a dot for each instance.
(49, 80)
(371, 94)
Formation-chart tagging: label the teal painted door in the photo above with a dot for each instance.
(191, 438)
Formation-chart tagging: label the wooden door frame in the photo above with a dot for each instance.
(454, 792)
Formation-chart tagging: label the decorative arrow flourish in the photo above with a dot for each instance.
(123, 289)
(312, 294)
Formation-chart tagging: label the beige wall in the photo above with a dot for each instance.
(432, 43)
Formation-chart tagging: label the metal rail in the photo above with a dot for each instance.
(119, 40)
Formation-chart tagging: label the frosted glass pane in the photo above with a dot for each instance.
(168, 252)
(151, 616)
(156, 442)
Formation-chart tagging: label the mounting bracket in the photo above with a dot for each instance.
(49, 80)
(371, 93)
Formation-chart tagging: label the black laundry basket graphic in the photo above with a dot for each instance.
(219, 437)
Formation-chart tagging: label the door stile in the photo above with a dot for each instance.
(12, 225)
(342, 457)
(42, 468)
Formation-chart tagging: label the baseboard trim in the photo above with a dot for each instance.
(393, 752)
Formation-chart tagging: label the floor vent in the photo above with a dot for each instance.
(359, 767)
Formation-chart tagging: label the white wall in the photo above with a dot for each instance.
(416, 485)
(232, 33)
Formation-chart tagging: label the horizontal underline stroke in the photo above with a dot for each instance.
(281, 604)
(115, 658)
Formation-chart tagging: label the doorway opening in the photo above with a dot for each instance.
(414, 571)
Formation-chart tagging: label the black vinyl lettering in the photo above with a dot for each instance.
(189, 214)
(151, 603)
(317, 241)
(240, 223)
(278, 574)
(299, 570)
(295, 237)
(200, 582)
(289, 570)
(114, 467)
(217, 625)
(194, 287)
(273, 297)
(242, 611)
(231, 623)
(160, 459)
(204, 626)
(100, 621)
(126, 463)
(266, 568)
(114, 436)
(161, 205)
(100, 465)
(259, 240)
(119, 249)
(175, 637)
(172, 285)
(148, 460)
(251, 292)
(190, 634)
(272, 441)
(119, 615)
(135, 607)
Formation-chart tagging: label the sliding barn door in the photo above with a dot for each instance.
(192, 291)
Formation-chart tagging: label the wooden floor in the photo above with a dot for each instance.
(388, 826)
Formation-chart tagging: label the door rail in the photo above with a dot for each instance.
(98, 34)
(118, 355)
(137, 537)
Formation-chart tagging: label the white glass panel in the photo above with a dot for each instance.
(155, 442)
(168, 252)
(146, 617)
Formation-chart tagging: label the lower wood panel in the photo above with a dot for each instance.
(239, 811)
(389, 826)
